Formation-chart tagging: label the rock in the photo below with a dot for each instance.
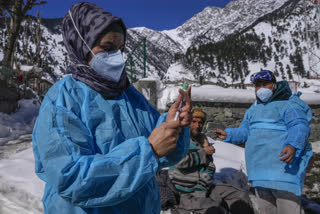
(312, 182)
(227, 113)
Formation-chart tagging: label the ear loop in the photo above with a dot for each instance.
(69, 12)
(273, 87)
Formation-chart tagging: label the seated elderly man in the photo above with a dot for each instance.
(192, 180)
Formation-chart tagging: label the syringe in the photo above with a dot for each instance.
(184, 88)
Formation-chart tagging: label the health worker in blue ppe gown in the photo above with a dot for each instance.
(276, 130)
(97, 142)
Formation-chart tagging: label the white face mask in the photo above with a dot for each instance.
(264, 94)
(109, 65)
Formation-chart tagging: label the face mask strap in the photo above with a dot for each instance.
(81, 65)
(79, 32)
(273, 87)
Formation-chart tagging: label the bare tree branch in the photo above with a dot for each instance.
(5, 5)
(32, 3)
(18, 14)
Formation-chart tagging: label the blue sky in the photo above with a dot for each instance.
(153, 14)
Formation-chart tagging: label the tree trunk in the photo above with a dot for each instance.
(38, 40)
(13, 33)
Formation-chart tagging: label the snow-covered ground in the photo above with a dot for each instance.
(21, 190)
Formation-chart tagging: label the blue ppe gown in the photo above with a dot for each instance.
(94, 154)
(267, 128)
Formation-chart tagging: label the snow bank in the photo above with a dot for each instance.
(20, 122)
(212, 93)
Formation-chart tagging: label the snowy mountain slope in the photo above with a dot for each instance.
(160, 49)
(277, 27)
(213, 23)
(276, 42)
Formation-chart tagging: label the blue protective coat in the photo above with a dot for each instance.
(266, 129)
(94, 154)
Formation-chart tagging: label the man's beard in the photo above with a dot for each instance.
(195, 136)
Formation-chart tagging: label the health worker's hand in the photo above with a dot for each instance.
(163, 139)
(220, 134)
(289, 152)
(185, 116)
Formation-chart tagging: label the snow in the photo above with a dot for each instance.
(213, 93)
(20, 122)
(176, 71)
(26, 67)
(230, 164)
(235, 16)
(173, 34)
(146, 93)
(316, 147)
(20, 188)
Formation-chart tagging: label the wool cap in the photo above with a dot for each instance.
(198, 113)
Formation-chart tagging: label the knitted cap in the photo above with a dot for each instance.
(263, 76)
(198, 113)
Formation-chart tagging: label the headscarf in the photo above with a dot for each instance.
(87, 23)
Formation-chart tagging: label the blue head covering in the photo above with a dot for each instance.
(264, 75)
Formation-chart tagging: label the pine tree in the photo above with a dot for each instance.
(300, 66)
(289, 72)
(282, 70)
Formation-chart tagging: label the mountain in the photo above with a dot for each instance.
(276, 41)
(221, 45)
(209, 26)
(214, 24)
(160, 49)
